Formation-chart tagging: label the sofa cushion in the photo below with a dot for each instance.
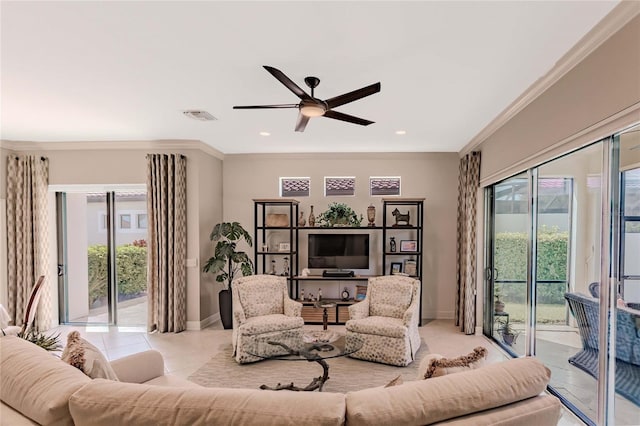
(536, 411)
(428, 401)
(108, 403)
(87, 358)
(36, 383)
(434, 365)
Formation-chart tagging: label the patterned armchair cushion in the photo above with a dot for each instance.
(269, 323)
(390, 298)
(261, 297)
(380, 326)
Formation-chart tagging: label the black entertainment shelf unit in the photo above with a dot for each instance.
(286, 233)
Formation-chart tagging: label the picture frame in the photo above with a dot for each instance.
(411, 267)
(284, 246)
(396, 268)
(408, 245)
(339, 186)
(384, 185)
(294, 186)
(361, 292)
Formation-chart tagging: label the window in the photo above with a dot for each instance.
(125, 221)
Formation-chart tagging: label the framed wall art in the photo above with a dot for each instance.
(339, 186)
(384, 185)
(295, 186)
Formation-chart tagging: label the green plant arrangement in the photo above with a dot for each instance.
(339, 214)
(227, 261)
(49, 343)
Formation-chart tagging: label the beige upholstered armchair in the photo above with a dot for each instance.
(263, 311)
(386, 321)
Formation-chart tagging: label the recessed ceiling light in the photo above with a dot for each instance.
(265, 134)
(199, 115)
(401, 132)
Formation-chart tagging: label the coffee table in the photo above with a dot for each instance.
(301, 351)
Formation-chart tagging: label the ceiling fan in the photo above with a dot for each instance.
(310, 106)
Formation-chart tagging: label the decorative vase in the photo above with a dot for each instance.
(312, 218)
(498, 306)
(371, 215)
(392, 244)
(224, 302)
(302, 221)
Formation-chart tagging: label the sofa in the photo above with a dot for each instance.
(39, 388)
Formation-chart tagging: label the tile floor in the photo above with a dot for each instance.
(186, 352)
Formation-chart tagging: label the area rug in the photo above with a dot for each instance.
(345, 374)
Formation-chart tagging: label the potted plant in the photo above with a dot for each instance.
(227, 262)
(339, 214)
(509, 334)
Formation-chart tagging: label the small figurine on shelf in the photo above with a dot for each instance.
(302, 294)
(319, 294)
(285, 267)
(273, 267)
(311, 299)
(392, 245)
(302, 221)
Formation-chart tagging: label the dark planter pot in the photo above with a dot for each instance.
(224, 301)
(509, 339)
(498, 306)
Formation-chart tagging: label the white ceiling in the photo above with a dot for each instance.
(124, 71)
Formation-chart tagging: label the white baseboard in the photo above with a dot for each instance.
(199, 325)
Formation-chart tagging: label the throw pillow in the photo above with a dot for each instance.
(87, 358)
(437, 365)
(395, 382)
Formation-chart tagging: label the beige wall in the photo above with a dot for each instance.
(606, 83)
(430, 175)
(128, 166)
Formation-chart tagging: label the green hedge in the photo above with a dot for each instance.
(131, 270)
(511, 263)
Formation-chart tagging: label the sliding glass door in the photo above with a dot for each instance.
(563, 271)
(507, 268)
(102, 257)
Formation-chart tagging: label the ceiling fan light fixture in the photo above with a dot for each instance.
(312, 110)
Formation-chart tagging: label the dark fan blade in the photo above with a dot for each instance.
(301, 123)
(266, 106)
(287, 82)
(346, 117)
(353, 96)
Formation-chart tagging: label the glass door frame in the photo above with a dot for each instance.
(610, 273)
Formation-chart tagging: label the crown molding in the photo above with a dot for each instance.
(621, 15)
(175, 144)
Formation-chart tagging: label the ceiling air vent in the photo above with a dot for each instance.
(199, 115)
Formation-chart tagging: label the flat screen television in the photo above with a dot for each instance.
(341, 251)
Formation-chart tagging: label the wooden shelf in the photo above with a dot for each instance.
(321, 278)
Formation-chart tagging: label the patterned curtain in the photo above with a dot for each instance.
(27, 236)
(167, 246)
(468, 184)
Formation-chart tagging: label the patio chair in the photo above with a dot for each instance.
(585, 309)
(386, 321)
